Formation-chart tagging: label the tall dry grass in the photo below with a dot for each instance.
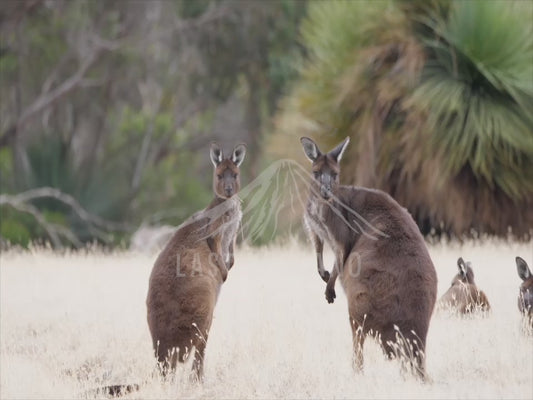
(71, 323)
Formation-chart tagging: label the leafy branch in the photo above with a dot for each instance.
(97, 225)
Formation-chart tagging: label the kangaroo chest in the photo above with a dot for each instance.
(321, 222)
(230, 227)
(230, 221)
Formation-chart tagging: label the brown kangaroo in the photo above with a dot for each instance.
(525, 296)
(187, 275)
(463, 295)
(380, 255)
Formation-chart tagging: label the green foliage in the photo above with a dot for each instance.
(8, 67)
(45, 45)
(20, 228)
(17, 228)
(124, 141)
(185, 193)
(332, 30)
(50, 165)
(191, 9)
(437, 98)
(342, 41)
(6, 168)
(478, 92)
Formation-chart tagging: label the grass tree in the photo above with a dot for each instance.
(437, 98)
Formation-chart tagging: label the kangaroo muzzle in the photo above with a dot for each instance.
(325, 186)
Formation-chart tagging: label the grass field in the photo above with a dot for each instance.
(71, 323)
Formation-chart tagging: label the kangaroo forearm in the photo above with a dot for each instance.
(319, 248)
(333, 278)
(339, 261)
(320, 267)
(330, 287)
(230, 259)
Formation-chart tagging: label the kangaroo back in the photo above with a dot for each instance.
(389, 278)
(385, 268)
(187, 275)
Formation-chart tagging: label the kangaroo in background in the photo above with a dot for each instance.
(187, 275)
(380, 256)
(463, 295)
(525, 295)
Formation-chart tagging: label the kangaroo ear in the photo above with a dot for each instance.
(310, 148)
(216, 154)
(523, 270)
(462, 266)
(238, 154)
(338, 151)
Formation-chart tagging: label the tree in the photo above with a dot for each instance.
(436, 97)
(109, 102)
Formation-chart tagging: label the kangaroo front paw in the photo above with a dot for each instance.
(330, 295)
(325, 276)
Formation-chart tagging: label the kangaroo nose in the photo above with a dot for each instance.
(229, 191)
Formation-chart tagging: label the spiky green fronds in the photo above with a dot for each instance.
(437, 98)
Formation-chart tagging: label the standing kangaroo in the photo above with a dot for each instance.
(187, 275)
(463, 295)
(380, 255)
(525, 296)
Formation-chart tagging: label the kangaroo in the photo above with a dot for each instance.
(525, 296)
(385, 269)
(189, 272)
(463, 295)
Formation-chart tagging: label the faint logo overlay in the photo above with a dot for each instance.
(353, 264)
(273, 205)
(199, 266)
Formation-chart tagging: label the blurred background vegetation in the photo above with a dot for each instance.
(112, 105)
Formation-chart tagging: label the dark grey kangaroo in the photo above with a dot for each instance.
(380, 256)
(189, 272)
(525, 295)
(464, 296)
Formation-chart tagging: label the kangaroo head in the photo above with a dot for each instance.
(226, 179)
(326, 166)
(466, 273)
(525, 299)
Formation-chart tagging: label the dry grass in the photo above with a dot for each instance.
(72, 323)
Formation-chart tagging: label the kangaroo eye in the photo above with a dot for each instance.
(219, 176)
(334, 176)
(316, 174)
(235, 176)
